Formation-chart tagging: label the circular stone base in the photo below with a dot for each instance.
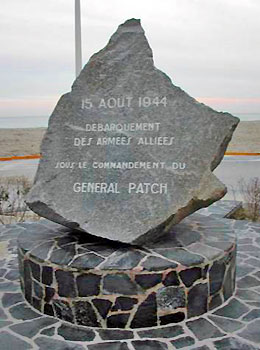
(98, 283)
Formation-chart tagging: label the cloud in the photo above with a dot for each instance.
(30, 106)
(232, 105)
(209, 48)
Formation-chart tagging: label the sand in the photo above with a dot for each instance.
(246, 138)
(15, 142)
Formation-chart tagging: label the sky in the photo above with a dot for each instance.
(210, 48)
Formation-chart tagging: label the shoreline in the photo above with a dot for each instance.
(26, 141)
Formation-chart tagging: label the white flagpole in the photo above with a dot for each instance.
(78, 53)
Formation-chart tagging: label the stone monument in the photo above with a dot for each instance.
(126, 157)
(127, 154)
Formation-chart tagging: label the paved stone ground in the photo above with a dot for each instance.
(235, 325)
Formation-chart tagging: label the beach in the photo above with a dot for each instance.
(246, 138)
(16, 142)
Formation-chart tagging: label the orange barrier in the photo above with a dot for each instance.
(37, 156)
(30, 156)
(241, 154)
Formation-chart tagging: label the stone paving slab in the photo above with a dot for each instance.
(235, 325)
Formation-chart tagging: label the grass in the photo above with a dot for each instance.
(13, 208)
(250, 192)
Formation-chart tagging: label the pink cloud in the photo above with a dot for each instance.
(232, 104)
(27, 106)
(233, 100)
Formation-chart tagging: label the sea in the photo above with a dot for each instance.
(42, 121)
(23, 122)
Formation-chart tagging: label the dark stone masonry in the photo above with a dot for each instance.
(188, 273)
